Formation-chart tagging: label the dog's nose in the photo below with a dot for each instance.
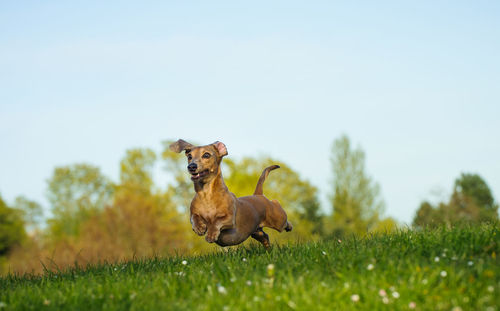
(192, 167)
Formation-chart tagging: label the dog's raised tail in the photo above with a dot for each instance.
(259, 190)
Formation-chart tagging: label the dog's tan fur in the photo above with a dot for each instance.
(218, 213)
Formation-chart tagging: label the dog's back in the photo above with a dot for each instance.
(273, 215)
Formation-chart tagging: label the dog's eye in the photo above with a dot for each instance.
(206, 155)
(189, 157)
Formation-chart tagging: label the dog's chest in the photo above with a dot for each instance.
(208, 209)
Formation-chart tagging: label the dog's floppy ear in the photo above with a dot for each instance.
(221, 148)
(180, 145)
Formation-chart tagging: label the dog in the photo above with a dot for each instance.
(217, 212)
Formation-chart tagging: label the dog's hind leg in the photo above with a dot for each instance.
(262, 237)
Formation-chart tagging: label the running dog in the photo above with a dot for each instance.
(218, 213)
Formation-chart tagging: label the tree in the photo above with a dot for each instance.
(426, 215)
(472, 197)
(140, 221)
(136, 169)
(385, 225)
(31, 211)
(356, 200)
(470, 202)
(11, 228)
(76, 192)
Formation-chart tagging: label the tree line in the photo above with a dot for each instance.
(93, 218)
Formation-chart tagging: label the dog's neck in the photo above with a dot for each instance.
(215, 186)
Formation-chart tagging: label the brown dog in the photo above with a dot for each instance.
(226, 219)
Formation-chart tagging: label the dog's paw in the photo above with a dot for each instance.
(212, 237)
(200, 230)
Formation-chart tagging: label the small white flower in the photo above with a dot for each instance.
(456, 309)
(355, 297)
(346, 285)
(412, 305)
(2, 304)
(270, 270)
(291, 304)
(395, 295)
(470, 263)
(436, 259)
(454, 258)
(249, 283)
(424, 281)
(382, 293)
(233, 279)
(323, 252)
(443, 274)
(184, 262)
(370, 267)
(244, 259)
(491, 289)
(385, 300)
(221, 289)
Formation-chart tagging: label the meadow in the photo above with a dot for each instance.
(440, 269)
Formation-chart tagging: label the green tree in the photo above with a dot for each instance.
(11, 228)
(141, 221)
(76, 192)
(31, 211)
(426, 215)
(356, 200)
(470, 202)
(136, 170)
(473, 198)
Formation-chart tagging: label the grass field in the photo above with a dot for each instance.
(444, 269)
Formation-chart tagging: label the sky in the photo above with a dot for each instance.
(416, 85)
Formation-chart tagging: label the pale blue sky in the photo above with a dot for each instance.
(417, 85)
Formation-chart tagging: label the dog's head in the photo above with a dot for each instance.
(203, 161)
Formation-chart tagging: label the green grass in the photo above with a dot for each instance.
(434, 270)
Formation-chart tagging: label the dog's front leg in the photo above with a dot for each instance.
(199, 225)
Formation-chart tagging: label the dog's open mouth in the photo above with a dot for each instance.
(195, 176)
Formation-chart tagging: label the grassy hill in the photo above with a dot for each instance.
(444, 269)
